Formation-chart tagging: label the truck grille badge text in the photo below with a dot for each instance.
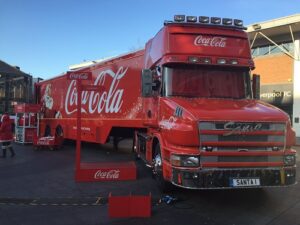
(241, 128)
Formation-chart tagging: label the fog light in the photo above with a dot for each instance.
(289, 160)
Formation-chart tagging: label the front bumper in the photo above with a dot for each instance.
(220, 178)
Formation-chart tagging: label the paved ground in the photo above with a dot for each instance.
(37, 187)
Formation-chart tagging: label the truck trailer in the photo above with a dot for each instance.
(189, 102)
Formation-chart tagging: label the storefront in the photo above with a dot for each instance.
(279, 95)
(275, 46)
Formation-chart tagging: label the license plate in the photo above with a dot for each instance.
(244, 182)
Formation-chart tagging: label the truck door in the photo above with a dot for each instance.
(151, 88)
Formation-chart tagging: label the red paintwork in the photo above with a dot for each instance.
(105, 171)
(129, 206)
(119, 103)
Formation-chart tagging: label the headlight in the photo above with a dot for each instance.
(289, 160)
(184, 160)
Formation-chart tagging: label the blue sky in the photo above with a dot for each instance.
(44, 37)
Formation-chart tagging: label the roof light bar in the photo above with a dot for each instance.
(203, 19)
(207, 20)
(179, 18)
(215, 20)
(227, 21)
(192, 19)
(238, 23)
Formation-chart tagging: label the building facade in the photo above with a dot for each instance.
(15, 87)
(275, 48)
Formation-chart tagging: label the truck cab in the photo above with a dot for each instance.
(206, 127)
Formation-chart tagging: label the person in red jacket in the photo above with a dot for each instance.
(6, 135)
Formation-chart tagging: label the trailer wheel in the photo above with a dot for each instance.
(163, 185)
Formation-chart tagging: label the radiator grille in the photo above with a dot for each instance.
(242, 136)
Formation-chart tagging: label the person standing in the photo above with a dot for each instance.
(6, 135)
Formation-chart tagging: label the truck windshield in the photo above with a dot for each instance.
(196, 81)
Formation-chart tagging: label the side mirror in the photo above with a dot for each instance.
(256, 86)
(146, 83)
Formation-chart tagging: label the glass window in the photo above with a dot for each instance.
(275, 49)
(288, 46)
(264, 50)
(2, 90)
(195, 81)
(272, 49)
(255, 52)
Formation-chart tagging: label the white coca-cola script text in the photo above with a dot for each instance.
(210, 41)
(111, 174)
(108, 101)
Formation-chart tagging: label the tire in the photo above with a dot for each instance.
(163, 185)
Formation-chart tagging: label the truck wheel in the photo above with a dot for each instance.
(163, 185)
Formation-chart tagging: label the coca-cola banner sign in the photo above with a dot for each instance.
(108, 101)
(209, 45)
(107, 174)
(79, 76)
(218, 42)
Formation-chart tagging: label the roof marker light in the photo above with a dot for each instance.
(179, 18)
(215, 20)
(227, 21)
(221, 61)
(192, 19)
(238, 22)
(206, 60)
(233, 62)
(203, 19)
(193, 59)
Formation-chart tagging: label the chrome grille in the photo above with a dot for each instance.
(242, 136)
(241, 159)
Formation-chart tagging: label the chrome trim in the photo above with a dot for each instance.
(223, 188)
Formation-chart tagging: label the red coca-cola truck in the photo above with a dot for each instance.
(190, 104)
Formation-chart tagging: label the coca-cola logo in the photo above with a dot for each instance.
(78, 76)
(110, 174)
(108, 101)
(240, 128)
(210, 41)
